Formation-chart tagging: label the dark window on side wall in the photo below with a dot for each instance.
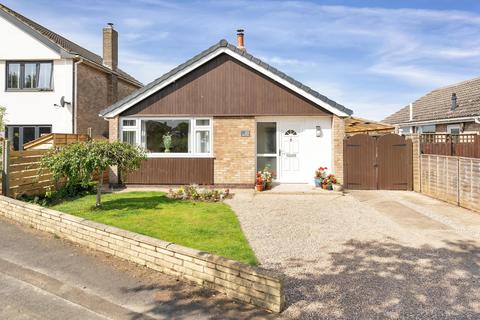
(29, 75)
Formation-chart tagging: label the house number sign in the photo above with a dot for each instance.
(245, 133)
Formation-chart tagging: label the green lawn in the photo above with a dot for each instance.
(210, 227)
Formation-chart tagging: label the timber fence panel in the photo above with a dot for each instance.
(452, 179)
(469, 179)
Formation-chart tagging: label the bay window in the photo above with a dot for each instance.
(164, 137)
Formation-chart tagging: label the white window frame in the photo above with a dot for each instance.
(450, 127)
(193, 128)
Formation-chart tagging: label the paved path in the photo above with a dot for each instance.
(42, 277)
(367, 255)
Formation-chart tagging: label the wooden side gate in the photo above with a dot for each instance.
(378, 163)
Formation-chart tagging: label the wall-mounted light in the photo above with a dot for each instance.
(318, 131)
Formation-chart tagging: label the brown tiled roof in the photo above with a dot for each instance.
(65, 44)
(436, 105)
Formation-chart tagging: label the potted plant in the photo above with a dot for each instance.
(330, 181)
(320, 175)
(259, 182)
(167, 141)
(267, 176)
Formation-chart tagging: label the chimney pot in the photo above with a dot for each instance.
(110, 47)
(240, 39)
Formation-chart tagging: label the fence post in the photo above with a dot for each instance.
(449, 145)
(458, 181)
(5, 167)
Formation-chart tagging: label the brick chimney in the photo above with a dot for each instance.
(110, 47)
(240, 39)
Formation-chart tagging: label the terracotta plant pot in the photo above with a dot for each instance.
(324, 186)
(259, 187)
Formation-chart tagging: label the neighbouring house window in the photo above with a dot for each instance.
(454, 129)
(426, 129)
(29, 75)
(405, 130)
(169, 136)
(13, 76)
(20, 135)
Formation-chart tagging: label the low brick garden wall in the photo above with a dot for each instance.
(237, 280)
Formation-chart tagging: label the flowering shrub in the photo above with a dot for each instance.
(321, 173)
(193, 192)
(267, 174)
(330, 179)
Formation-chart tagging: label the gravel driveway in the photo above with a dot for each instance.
(367, 255)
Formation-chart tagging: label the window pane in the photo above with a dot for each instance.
(28, 134)
(13, 81)
(203, 122)
(129, 123)
(271, 162)
(266, 137)
(202, 142)
(404, 130)
(16, 138)
(45, 76)
(44, 130)
(167, 135)
(130, 137)
(427, 129)
(30, 80)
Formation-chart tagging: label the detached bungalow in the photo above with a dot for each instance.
(224, 114)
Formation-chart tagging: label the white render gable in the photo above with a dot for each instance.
(34, 107)
(17, 44)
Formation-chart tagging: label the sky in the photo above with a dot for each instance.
(373, 57)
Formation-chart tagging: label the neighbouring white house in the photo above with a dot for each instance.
(50, 84)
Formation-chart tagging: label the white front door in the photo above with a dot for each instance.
(290, 157)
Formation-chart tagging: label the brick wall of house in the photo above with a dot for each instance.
(92, 88)
(124, 89)
(97, 89)
(338, 134)
(235, 156)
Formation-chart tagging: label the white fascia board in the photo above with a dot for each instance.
(238, 57)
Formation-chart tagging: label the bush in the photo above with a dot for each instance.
(52, 197)
(199, 194)
(77, 163)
